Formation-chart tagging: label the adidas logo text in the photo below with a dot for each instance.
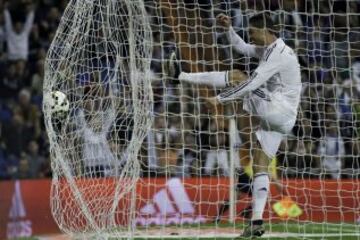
(170, 205)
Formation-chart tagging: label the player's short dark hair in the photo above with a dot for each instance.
(263, 20)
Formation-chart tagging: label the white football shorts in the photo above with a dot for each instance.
(276, 120)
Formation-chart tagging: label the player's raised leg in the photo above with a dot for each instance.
(219, 79)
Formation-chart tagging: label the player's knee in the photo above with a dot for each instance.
(259, 168)
(261, 161)
(244, 155)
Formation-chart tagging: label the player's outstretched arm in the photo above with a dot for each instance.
(262, 73)
(239, 91)
(235, 40)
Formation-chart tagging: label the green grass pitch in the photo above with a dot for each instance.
(275, 231)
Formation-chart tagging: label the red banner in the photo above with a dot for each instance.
(25, 205)
(25, 209)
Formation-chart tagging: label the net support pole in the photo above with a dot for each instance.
(232, 156)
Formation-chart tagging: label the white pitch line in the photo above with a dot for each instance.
(224, 235)
(277, 235)
(334, 229)
(348, 229)
(268, 235)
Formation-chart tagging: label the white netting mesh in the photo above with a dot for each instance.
(190, 142)
(100, 58)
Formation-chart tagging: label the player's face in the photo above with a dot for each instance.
(257, 35)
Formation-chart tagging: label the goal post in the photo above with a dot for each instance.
(233, 158)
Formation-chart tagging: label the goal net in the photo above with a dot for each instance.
(100, 59)
(191, 175)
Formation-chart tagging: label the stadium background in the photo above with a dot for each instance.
(330, 102)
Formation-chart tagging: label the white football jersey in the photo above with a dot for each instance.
(273, 90)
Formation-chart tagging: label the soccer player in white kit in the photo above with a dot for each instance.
(271, 95)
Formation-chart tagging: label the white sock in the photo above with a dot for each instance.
(214, 79)
(260, 193)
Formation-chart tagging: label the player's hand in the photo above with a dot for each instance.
(223, 20)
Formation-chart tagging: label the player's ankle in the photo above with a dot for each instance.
(257, 222)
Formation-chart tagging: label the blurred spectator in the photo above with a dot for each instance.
(38, 79)
(23, 170)
(157, 53)
(50, 22)
(342, 22)
(156, 142)
(2, 30)
(288, 16)
(17, 135)
(3, 167)
(3, 160)
(355, 76)
(331, 150)
(17, 35)
(45, 169)
(216, 160)
(355, 141)
(300, 158)
(171, 143)
(314, 42)
(330, 113)
(11, 82)
(345, 114)
(36, 161)
(217, 154)
(188, 155)
(174, 133)
(5, 114)
(29, 112)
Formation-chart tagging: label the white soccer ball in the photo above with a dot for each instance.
(58, 103)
